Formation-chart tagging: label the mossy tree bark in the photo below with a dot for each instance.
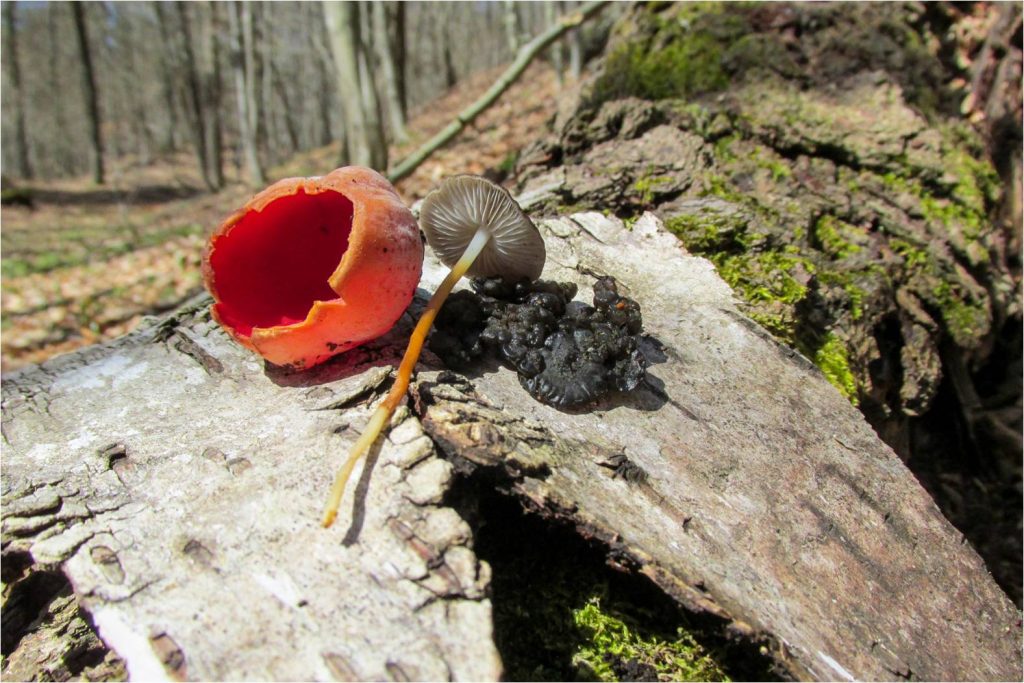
(837, 188)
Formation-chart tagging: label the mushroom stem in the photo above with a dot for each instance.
(412, 353)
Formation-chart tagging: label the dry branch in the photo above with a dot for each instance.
(526, 55)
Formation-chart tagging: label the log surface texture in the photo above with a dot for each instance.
(177, 482)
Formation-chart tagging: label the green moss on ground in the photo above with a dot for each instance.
(560, 613)
(43, 262)
(16, 196)
(610, 638)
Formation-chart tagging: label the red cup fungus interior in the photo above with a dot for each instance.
(275, 263)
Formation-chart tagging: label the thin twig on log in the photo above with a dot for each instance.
(466, 116)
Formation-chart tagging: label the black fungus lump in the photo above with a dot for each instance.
(565, 352)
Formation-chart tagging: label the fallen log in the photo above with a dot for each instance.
(176, 481)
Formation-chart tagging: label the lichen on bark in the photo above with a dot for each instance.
(821, 163)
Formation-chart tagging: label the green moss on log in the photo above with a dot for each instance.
(833, 359)
(686, 50)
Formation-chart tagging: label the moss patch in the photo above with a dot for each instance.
(833, 360)
(683, 53)
(614, 649)
(646, 186)
(837, 237)
(710, 231)
(561, 614)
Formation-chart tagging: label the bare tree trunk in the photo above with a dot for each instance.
(139, 123)
(386, 60)
(24, 167)
(322, 60)
(291, 128)
(264, 41)
(238, 17)
(194, 98)
(211, 97)
(512, 29)
(61, 157)
(555, 51)
(342, 21)
(168, 56)
(368, 90)
(92, 108)
(576, 53)
(399, 47)
(444, 39)
(252, 106)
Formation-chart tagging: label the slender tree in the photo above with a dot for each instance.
(263, 44)
(251, 75)
(512, 26)
(10, 52)
(386, 60)
(444, 40)
(372, 108)
(324, 64)
(168, 59)
(288, 112)
(193, 96)
(92, 107)
(134, 95)
(238, 15)
(396, 33)
(555, 51)
(61, 156)
(576, 53)
(211, 94)
(342, 22)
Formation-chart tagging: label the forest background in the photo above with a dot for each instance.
(131, 129)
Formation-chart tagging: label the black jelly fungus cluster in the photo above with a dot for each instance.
(565, 352)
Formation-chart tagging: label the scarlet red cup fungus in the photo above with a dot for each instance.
(312, 267)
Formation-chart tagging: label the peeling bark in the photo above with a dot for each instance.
(176, 482)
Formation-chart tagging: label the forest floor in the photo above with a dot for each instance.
(85, 263)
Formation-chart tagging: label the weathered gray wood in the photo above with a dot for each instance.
(768, 500)
(177, 481)
(178, 484)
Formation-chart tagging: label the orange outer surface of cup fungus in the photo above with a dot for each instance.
(312, 267)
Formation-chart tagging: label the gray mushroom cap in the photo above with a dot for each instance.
(451, 215)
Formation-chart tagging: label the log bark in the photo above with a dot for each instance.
(187, 521)
(176, 481)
